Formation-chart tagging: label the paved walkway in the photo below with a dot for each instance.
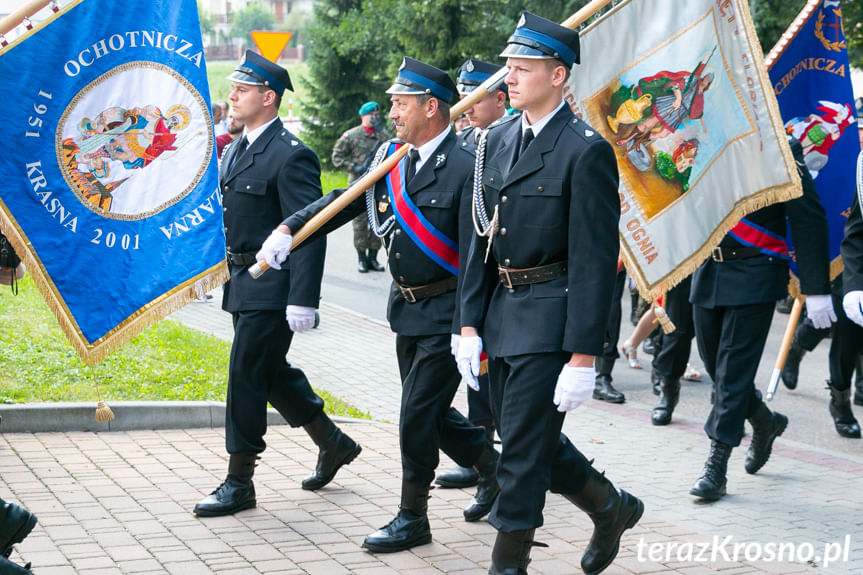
(120, 502)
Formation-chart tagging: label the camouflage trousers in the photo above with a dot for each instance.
(364, 239)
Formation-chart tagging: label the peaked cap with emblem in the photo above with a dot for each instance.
(255, 70)
(539, 39)
(473, 73)
(415, 78)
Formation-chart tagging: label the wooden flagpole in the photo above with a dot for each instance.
(28, 9)
(371, 178)
(793, 318)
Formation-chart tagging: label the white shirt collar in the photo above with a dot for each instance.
(537, 126)
(427, 149)
(252, 135)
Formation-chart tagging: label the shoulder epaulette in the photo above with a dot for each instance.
(583, 129)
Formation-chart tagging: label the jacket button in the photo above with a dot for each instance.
(504, 199)
(539, 189)
(491, 180)
(226, 229)
(250, 187)
(398, 255)
(227, 189)
(398, 232)
(506, 262)
(503, 231)
(225, 210)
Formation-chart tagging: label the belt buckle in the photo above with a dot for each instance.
(408, 294)
(505, 279)
(717, 255)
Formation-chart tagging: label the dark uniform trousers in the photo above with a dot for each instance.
(734, 302)
(259, 374)
(612, 331)
(276, 175)
(537, 456)
(557, 202)
(430, 378)
(675, 347)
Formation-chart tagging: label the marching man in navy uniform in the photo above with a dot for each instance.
(850, 335)
(422, 210)
(733, 296)
(490, 108)
(536, 295)
(266, 175)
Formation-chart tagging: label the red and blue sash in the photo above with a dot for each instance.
(428, 238)
(751, 234)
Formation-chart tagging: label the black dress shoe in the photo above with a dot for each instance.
(407, 530)
(232, 495)
(669, 394)
(363, 264)
(15, 524)
(458, 477)
(336, 450)
(605, 391)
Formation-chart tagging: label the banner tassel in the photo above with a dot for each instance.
(662, 317)
(103, 412)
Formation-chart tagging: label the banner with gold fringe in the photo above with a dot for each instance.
(680, 90)
(110, 186)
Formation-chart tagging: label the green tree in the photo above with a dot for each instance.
(253, 17)
(852, 14)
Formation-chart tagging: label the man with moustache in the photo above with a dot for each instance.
(422, 209)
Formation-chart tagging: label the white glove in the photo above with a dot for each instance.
(852, 303)
(467, 358)
(300, 318)
(574, 386)
(453, 344)
(275, 249)
(819, 309)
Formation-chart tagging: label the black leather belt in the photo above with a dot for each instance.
(512, 277)
(721, 254)
(242, 259)
(415, 294)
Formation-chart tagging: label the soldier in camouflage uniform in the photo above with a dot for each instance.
(353, 153)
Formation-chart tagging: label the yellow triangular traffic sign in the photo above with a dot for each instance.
(271, 44)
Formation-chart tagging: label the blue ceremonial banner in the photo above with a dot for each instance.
(109, 181)
(812, 81)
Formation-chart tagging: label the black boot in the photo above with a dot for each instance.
(336, 449)
(655, 380)
(766, 427)
(612, 513)
(363, 265)
(711, 484)
(487, 487)
(15, 524)
(236, 493)
(372, 261)
(9, 568)
(511, 552)
(604, 390)
(669, 393)
(409, 528)
(840, 411)
(792, 364)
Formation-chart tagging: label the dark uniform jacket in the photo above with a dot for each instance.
(441, 189)
(276, 176)
(558, 204)
(852, 250)
(765, 278)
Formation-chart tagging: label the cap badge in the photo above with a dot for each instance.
(469, 66)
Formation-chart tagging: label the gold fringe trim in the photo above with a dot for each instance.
(92, 353)
(837, 266)
(761, 199)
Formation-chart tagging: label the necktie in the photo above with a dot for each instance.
(241, 149)
(526, 139)
(413, 158)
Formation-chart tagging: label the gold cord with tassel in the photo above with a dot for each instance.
(662, 317)
(103, 412)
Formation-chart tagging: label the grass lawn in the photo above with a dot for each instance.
(166, 362)
(331, 180)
